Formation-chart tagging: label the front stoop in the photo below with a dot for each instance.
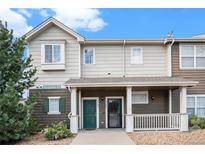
(102, 137)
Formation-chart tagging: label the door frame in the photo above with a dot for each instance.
(97, 109)
(106, 109)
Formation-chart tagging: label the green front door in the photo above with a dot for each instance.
(89, 114)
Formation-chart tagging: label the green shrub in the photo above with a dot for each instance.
(33, 127)
(57, 131)
(197, 122)
(202, 123)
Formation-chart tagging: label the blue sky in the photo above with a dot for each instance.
(113, 23)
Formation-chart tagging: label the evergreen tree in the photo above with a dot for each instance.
(16, 75)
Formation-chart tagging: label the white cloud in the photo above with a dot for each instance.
(25, 12)
(44, 13)
(15, 21)
(87, 19)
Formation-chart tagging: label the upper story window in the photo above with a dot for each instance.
(140, 97)
(52, 53)
(192, 56)
(136, 55)
(53, 56)
(89, 56)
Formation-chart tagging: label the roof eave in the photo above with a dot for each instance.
(135, 84)
(51, 20)
(121, 41)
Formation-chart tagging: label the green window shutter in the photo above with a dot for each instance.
(46, 105)
(62, 105)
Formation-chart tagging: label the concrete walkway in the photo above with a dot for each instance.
(102, 137)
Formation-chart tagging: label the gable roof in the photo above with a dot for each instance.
(35, 31)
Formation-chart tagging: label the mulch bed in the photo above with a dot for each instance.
(168, 138)
(38, 139)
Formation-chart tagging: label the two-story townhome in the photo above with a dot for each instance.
(136, 84)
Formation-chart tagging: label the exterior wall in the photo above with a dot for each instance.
(192, 74)
(154, 61)
(71, 56)
(43, 118)
(160, 104)
(109, 60)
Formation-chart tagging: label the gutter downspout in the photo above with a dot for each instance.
(169, 50)
(123, 63)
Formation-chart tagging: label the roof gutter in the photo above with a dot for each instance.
(128, 41)
(136, 84)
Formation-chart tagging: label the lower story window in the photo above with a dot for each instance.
(140, 97)
(196, 105)
(54, 105)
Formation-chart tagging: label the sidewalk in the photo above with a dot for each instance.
(102, 137)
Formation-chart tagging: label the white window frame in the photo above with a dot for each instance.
(93, 55)
(195, 102)
(180, 56)
(62, 53)
(141, 92)
(53, 112)
(141, 58)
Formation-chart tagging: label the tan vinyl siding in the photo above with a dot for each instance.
(109, 59)
(192, 74)
(71, 56)
(154, 61)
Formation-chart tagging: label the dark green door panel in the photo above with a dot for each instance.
(89, 114)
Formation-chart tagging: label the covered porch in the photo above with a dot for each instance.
(160, 112)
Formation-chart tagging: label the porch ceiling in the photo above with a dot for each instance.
(131, 81)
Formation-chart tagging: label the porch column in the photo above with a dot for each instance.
(129, 116)
(170, 101)
(183, 114)
(80, 112)
(74, 117)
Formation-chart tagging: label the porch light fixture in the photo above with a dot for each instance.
(152, 97)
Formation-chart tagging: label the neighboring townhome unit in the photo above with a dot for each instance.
(136, 84)
(188, 61)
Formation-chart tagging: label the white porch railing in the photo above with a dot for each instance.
(156, 121)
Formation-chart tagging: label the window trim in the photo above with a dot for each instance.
(140, 62)
(54, 112)
(141, 92)
(195, 102)
(84, 55)
(62, 53)
(180, 58)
